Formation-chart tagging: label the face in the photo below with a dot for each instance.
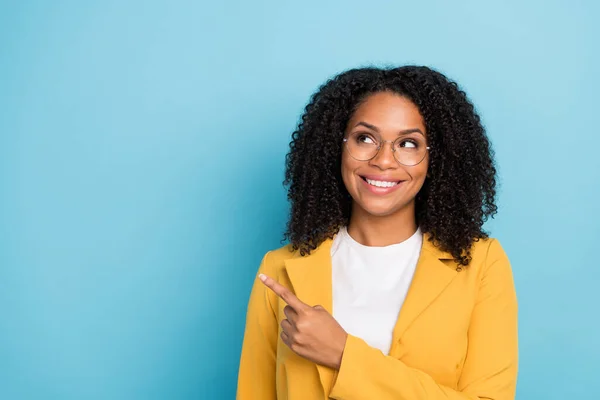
(382, 186)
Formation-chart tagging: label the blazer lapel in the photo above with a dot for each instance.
(310, 277)
(431, 277)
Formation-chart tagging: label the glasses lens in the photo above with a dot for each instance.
(362, 146)
(410, 150)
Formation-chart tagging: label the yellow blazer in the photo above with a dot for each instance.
(455, 337)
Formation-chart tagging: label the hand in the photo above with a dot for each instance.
(310, 332)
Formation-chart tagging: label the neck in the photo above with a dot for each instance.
(371, 230)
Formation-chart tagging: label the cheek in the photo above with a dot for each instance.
(347, 173)
(419, 174)
(419, 171)
(422, 171)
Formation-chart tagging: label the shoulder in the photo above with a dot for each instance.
(274, 260)
(484, 249)
(488, 257)
(280, 255)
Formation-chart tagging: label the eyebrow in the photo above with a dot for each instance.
(402, 132)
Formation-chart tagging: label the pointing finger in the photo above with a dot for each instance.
(284, 293)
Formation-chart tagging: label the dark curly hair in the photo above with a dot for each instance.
(459, 193)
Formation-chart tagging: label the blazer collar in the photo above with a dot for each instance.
(310, 277)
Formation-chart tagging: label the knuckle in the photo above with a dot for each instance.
(303, 313)
(300, 340)
(309, 312)
(297, 339)
(302, 325)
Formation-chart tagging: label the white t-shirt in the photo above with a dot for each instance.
(370, 285)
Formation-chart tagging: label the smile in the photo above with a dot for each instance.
(380, 186)
(381, 183)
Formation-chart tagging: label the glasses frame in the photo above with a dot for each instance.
(380, 146)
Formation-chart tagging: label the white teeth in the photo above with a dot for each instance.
(381, 183)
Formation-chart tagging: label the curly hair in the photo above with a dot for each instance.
(459, 193)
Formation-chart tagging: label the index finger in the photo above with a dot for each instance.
(284, 293)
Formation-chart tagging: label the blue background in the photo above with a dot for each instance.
(141, 158)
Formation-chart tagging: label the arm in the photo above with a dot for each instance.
(490, 369)
(256, 376)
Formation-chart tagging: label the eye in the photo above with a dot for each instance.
(408, 143)
(363, 138)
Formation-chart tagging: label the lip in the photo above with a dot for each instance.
(379, 190)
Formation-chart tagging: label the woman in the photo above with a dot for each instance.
(389, 288)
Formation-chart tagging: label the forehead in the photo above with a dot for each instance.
(388, 112)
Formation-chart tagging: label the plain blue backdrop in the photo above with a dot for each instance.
(142, 148)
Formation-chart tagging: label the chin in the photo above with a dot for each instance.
(380, 210)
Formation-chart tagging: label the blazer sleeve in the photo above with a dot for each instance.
(490, 369)
(256, 375)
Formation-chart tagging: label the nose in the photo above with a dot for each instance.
(384, 159)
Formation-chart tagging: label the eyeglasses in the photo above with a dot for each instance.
(408, 149)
